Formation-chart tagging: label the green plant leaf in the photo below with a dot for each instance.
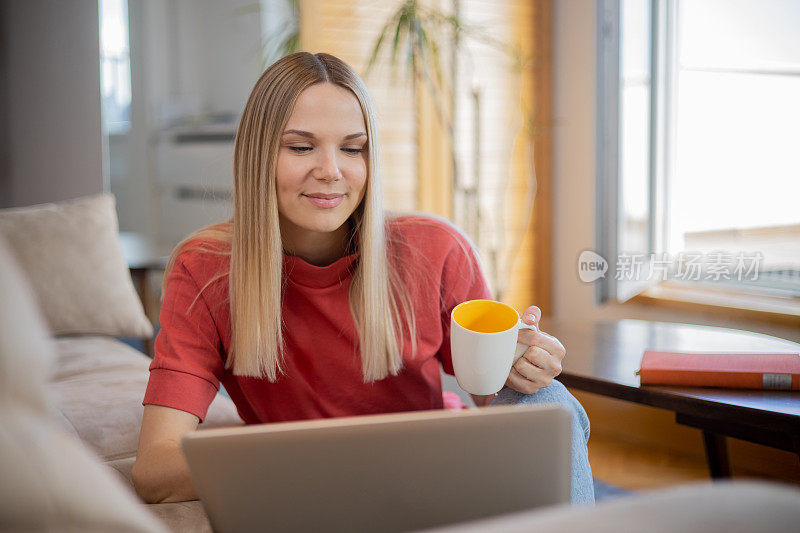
(373, 58)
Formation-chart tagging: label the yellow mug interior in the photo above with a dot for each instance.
(485, 316)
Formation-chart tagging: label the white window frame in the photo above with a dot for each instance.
(661, 141)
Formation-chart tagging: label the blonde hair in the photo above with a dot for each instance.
(379, 301)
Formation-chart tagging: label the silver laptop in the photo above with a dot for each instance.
(395, 472)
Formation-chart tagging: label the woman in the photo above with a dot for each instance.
(311, 302)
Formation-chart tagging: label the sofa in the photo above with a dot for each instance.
(70, 402)
(80, 287)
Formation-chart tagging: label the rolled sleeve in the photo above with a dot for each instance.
(188, 362)
(179, 390)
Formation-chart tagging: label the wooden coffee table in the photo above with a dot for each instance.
(602, 358)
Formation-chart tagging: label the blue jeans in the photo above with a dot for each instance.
(582, 488)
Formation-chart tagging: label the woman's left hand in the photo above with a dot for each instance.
(541, 362)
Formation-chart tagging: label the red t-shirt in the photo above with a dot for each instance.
(323, 369)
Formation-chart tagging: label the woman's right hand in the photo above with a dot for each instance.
(160, 473)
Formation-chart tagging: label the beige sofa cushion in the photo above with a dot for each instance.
(26, 350)
(185, 516)
(71, 254)
(98, 385)
(178, 516)
(730, 506)
(49, 481)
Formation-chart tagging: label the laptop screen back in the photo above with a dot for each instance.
(395, 472)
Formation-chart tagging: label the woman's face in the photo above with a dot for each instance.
(322, 163)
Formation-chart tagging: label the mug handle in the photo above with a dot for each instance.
(522, 348)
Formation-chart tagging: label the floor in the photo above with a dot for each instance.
(622, 469)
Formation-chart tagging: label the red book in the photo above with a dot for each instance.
(780, 371)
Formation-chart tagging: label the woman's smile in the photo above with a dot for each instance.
(325, 201)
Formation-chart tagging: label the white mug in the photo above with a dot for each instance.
(483, 344)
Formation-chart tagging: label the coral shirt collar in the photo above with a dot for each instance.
(303, 273)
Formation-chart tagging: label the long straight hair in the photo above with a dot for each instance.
(379, 301)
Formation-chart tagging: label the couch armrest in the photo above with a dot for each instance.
(728, 506)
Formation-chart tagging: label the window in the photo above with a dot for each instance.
(115, 66)
(699, 128)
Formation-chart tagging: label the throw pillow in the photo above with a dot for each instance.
(71, 253)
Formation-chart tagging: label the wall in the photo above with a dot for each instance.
(192, 62)
(574, 34)
(5, 178)
(197, 56)
(51, 151)
(573, 153)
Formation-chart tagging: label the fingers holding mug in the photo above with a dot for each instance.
(544, 360)
(528, 379)
(532, 315)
